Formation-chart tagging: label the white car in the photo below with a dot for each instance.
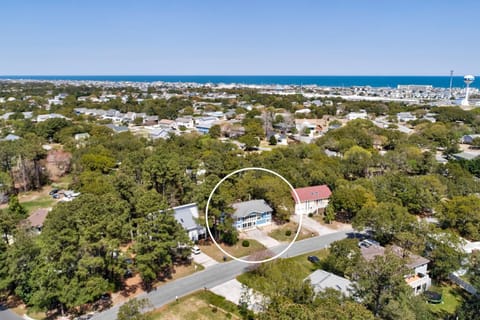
(196, 250)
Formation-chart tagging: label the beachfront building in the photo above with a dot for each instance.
(251, 214)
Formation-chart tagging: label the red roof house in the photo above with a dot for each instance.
(311, 199)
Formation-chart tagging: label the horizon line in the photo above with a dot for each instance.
(230, 75)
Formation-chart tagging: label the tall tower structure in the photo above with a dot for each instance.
(468, 79)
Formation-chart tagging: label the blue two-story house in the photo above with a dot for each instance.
(251, 214)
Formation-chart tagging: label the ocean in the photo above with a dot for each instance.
(328, 81)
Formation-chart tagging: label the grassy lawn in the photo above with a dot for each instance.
(181, 271)
(237, 250)
(452, 297)
(202, 305)
(41, 202)
(303, 267)
(63, 182)
(280, 233)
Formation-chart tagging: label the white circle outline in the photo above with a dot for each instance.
(297, 198)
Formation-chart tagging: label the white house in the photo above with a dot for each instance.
(45, 117)
(405, 117)
(187, 122)
(418, 278)
(187, 216)
(357, 115)
(311, 199)
(81, 136)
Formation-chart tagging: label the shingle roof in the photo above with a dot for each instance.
(37, 218)
(413, 260)
(312, 193)
(243, 209)
(322, 280)
(184, 215)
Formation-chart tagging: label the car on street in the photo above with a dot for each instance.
(313, 259)
(196, 250)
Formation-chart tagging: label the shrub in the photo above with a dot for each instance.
(310, 215)
(245, 243)
(288, 233)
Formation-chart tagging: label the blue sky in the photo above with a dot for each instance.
(230, 37)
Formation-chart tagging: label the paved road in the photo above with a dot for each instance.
(220, 273)
(6, 314)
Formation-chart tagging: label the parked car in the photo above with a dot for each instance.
(313, 259)
(53, 191)
(196, 250)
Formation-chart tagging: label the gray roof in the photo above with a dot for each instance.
(322, 280)
(11, 137)
(185, 214)
(412, 260)
(116, 128)
(465, 155)
(243, 209)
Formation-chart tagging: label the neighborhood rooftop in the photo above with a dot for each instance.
(312, 193)
(243, 209)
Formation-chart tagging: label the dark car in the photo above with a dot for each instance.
(53, 191)
(313, 259)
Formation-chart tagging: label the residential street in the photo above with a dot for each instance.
(220, 273)
(6, 314)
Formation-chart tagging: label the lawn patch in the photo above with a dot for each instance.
(286, 232)
(203, 305)
(236, 250)
(302, 267)
(452, 297)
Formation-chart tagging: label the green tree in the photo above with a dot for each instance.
(132, 310)
(10, 217)
(159, 243)
(356, 162)
(349, 198)
(385, 220)
(462, 213)
(215, 131)
(272, 141)
(444, 250)
(343, 257)
(251, 142)
(380, 282)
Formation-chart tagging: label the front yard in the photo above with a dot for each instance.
(281, 233)
(303, 267)
(452, 297)
(202, 305)
(236, 250)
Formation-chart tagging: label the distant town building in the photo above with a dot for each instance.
(468, 139)
(357, 115)
(81, 136)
